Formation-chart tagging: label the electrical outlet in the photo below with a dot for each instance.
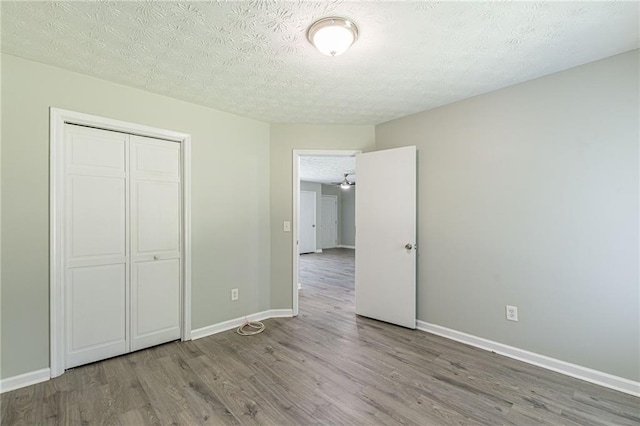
(512, 313)
(234, 294)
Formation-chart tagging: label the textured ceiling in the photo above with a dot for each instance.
(327, 169)
(252, 57)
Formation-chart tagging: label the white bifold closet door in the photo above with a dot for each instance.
(96, 254)
(155, 242)
(122, 243)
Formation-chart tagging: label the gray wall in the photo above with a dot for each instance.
(348, 213)
(528, 196)
(230, 223)
(284, 139)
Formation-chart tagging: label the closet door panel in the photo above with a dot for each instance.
(156, 158)
(96, 218)
(96, 283)
(95, 152)
(96, 298)
(155, 242)
(156, 296)
(157, 217)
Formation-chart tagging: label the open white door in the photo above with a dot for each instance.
(386, 236)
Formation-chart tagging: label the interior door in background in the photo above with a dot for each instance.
(307, 227)
(386, 236)
(329, 221)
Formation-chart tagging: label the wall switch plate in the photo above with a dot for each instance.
(512, 313)
(234, 294)
(287, 226)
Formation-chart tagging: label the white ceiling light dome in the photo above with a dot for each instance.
(332, 36)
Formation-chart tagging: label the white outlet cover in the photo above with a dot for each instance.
(511, 313)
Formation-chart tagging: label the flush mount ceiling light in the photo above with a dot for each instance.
(332, 36)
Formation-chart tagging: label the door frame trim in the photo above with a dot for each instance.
(295, 177)
(58, 119)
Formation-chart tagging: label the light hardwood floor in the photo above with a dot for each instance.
(324, 367)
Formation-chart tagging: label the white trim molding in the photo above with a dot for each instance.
(26, 379)
(209, 330)
(577, 371)
(280, 313)
(58, 119)
(186, 237)
(347, 247)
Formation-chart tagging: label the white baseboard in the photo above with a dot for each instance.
(579, 372)
(26, 379)
(237, 322)
(281, 313)
(347, 247)
(319, 251)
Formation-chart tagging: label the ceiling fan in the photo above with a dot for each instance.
(346, 183)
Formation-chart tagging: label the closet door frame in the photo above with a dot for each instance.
(58, 119)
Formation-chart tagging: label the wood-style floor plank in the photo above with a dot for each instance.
(326, 366)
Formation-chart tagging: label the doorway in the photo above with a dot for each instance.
(385, 268)
(297, 221)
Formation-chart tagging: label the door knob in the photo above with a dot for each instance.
(408, 246)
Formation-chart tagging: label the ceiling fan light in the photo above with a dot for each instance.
(345, 185)
(332, 36)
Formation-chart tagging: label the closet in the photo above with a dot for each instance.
(122, 243)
